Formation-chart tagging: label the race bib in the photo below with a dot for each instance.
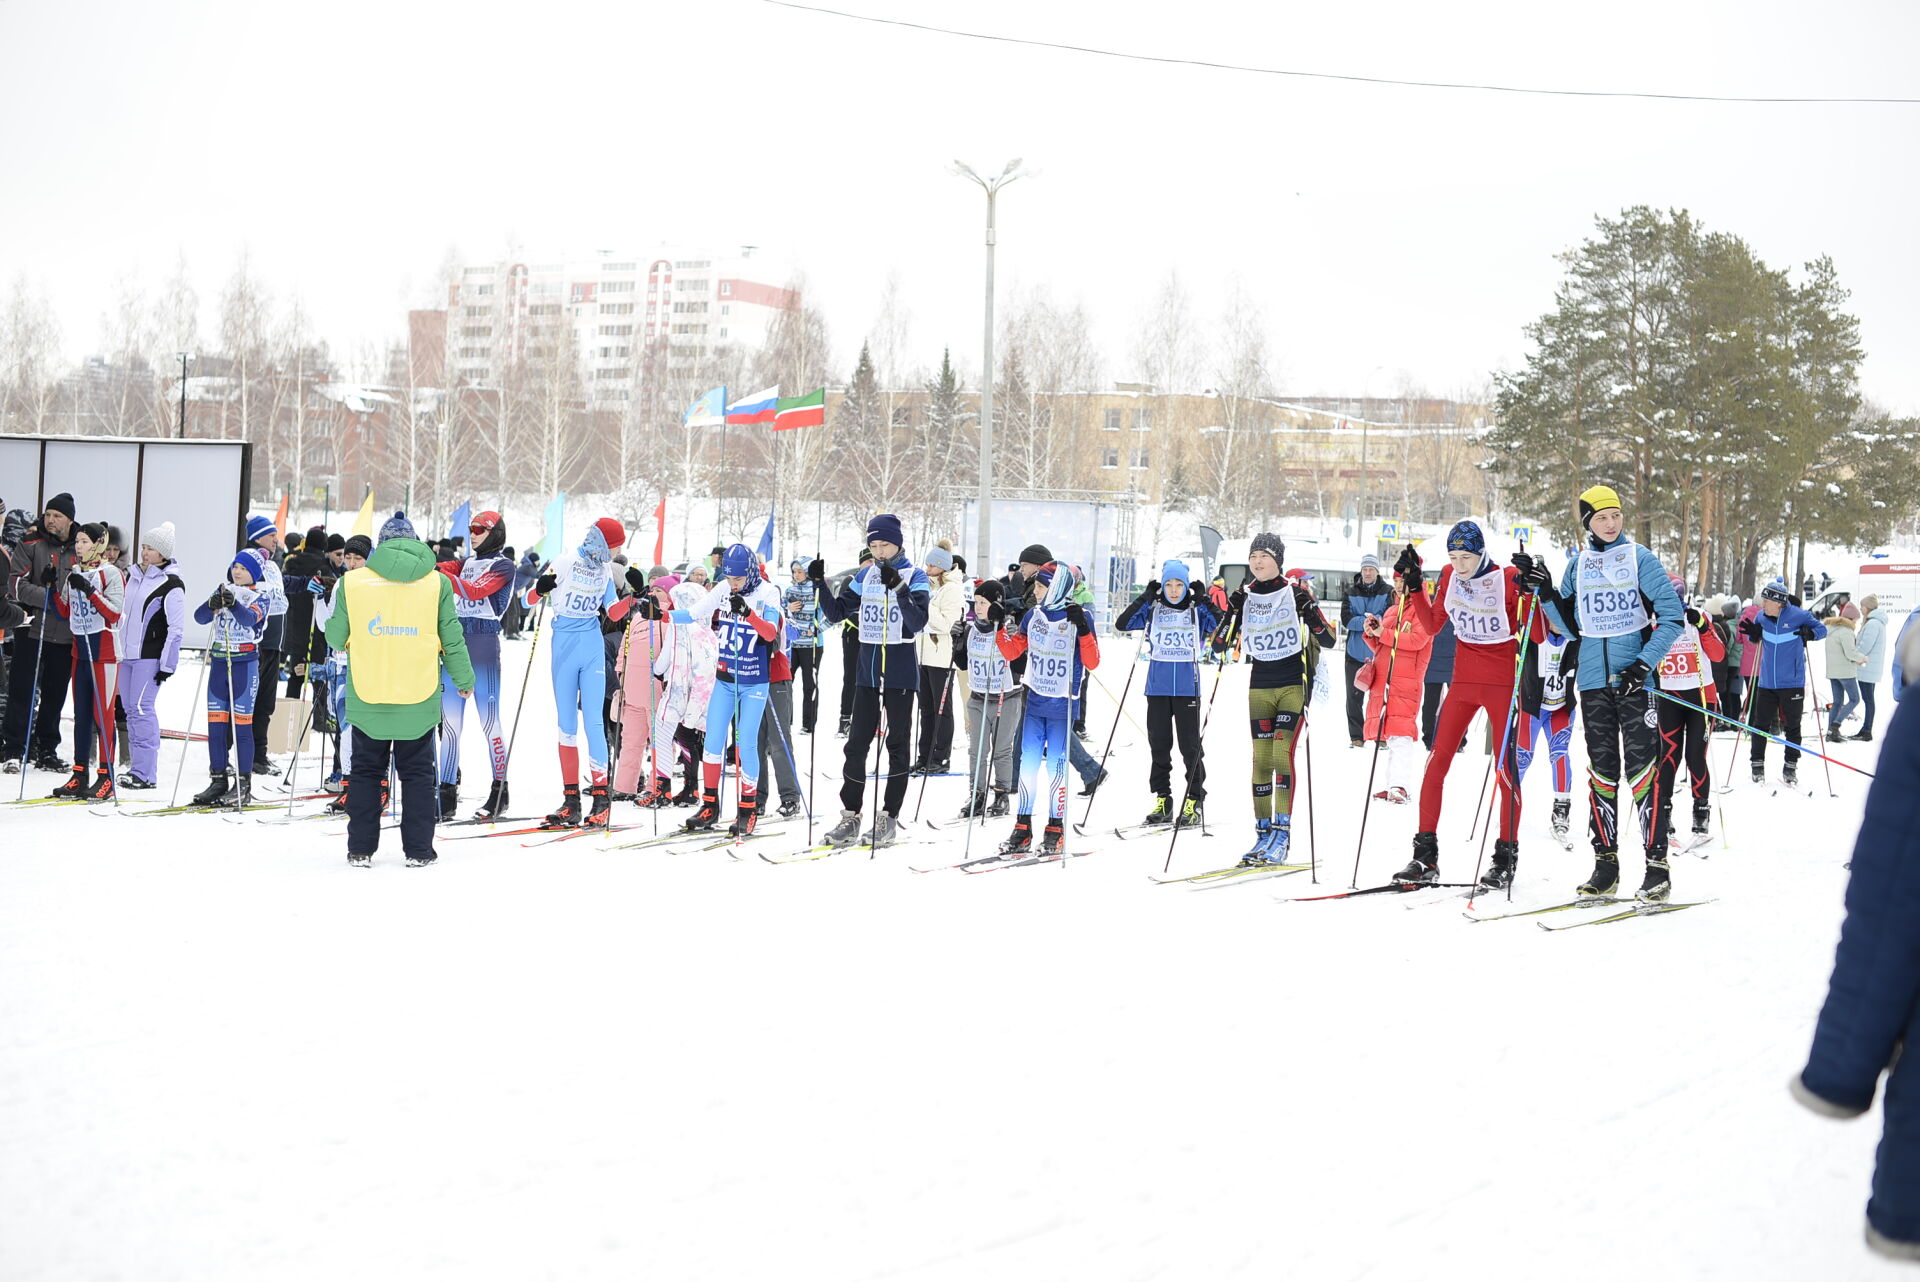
(1685, 662)
(1557, 682)
(987, 669)
(879, 613)
(581, 589)
(1050, 656)
(472, 572)
(1270, 626)
(1608, 587)
(1174, 634)
(1477, 608)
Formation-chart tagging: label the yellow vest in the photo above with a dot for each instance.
(395, 643)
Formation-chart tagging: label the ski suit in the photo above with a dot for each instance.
(1686, 672)
(583, 586)
(1396, 674)
(92, 616)
(482, 587)
(886, 675)
(1271, 620)
(740, 680)
(233, 674)
(1057, 663)
(1176, 638)
(1547, 704)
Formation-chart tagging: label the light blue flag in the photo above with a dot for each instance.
(709, 411)
(552, 541)
(765, 550)
(461, 516)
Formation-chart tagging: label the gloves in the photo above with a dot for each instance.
(1219, 641)
(544, 585)
(816, 571)
(160, 677)
(737, 605)
(1805, 632)
(649, 607)
(1077, 616)
(1153, 589)
(1750, 629)
(636, 578)
(1409, 562)
(1238, 600)
(1534, 576)
(1633, 677)
(222, 599)
(299, 669)
(46, 577)
(79, 583)
(318, 586)
(889, 577)
(1303, 600)
(996, 614)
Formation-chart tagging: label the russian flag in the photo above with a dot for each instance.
(757, 408)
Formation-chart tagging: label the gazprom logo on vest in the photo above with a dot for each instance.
(377, 629)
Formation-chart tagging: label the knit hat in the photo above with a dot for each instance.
(612, 531)
(1466, 536)
(886, 528)
(1370, 561)
(250, 561)
(1775, 591)
(115, 536)
(1679, 585)
(798, 563)
(1175, 569)
(258, 527)
(939, 559)
(294, 541)
(737, 561)
(316, 536)
(1060, 584)
(665, 583)
(336, 543)
(97, 531)
(661, 572)
(1271, 544)
(358, 545)
(160, 539)
(61, 503)
(397, 527)
(1035, 554)
(1597, 499)
(990, 590)
(865, 556)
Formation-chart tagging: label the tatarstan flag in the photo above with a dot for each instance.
(800, 411)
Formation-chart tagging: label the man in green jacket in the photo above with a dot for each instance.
(395, 618)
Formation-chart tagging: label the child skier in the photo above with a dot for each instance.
(238, 612)
(151, 630)
(581, 585)
(1057, 639)
(804, 623)
(1394, 679)
(744, 610)
(482, 586)
(639, 686)
(1270, 619)
(90, 600)
(1780, 632)
(1177, 624)
(1547, 704)
(994, 704)
(1617, 599)
(1686, 672)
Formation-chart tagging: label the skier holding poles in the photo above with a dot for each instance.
(744, 610)
(482, 587)
(1057, 639)
(1177, 622)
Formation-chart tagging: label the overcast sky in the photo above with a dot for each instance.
(1389, 234)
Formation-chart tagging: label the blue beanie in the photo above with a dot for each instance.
(1175, 569)
(1466, 537)
(1775, 591)
(939, 559)
(397, 527)
(737, 561)
(885, 526)
(258, 527)
(250, 561)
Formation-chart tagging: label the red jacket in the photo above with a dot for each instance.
(1405, 646)
(1477, 664)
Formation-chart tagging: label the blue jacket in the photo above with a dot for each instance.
(1167, 677)
(1359, 602)
(894, 667)
(1873, 999)
(1873, 645)
(1603, 658)
(1783, 655)
(1899, 653)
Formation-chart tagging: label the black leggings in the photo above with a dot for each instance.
(866, 723)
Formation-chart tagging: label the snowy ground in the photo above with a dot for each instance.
(223, 1054)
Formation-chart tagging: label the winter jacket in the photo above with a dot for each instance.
(96, 611)
(273, 591)
(1401, 650)
(30, 562)
(935, 644)
(1873, 646)
(1170, 676)
(895, 666)
(1480, 663)
(236, 627)
(302, 568)
(1360, 601)
(1749, 653)
(1083, 657)
(804, 620)
(1843, 652)
(1440, 654)
(155, 616)
(1603, 658)
(1782, 664)
(1906, 654)
(400, 560)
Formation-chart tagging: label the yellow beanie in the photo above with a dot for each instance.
(1597, 499)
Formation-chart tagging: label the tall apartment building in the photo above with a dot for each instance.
(612, 308)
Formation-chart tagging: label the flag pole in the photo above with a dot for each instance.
(723, 464)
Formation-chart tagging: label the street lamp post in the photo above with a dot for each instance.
(984, 550)
(184, 358)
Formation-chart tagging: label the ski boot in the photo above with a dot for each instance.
(1000, 807)
(1657, 885)
(102, 789)
(338, 806)
(335, 782)
(1052, 839)
(745, 816)
(10, 766)
(75, 787)
(1606, 875)
(1262, 830)
(265, 767)
(1790, 774)
(50, 762)
(600, 807)
(687, 796)
(1190, 815)
(1563, 821)
(243, 785)
(845, 724)
(846, 832)
(886, 831)
(1020, 840)
(568, 816)
(359, 859)
(1162, 812)
(1424, 868)
(1759, 772)
(659, 796)
(219, 789)
(703, 819)
(449, 801)
(135, 783)
(790, 807)
(495, 806)
(976, 807)
(422, 861)
(1506, 857)
(918, 768)
(1702, 828)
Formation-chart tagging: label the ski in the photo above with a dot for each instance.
(584, 830)
(511, 832)
(1588, 901)
(166, 811)
(823, 852)
(1381, 890)
(1223, 874)
(993, 858)
(1029, 861)
(1241, 876)
(476, 821)
(1638, 910)
(48, 801)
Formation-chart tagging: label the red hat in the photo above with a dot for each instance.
(484, 521)
(612, 531)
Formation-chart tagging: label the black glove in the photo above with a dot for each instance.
(1077, 616)
(159, 678)
(47, 577)
(889, 577)
(544, 585)
(737, 604)
(636, 578)
(1633, 677)
(996, 614)
(79, 582)
(1696, 620)
(1303, 601)
(1750, 629)
(1409, 562)
(1237, 601)
(817, 570)
(1153, 589)
(1806, 633)
(1534, 576)
(221, 599)
(649, 608)
(1219, 641)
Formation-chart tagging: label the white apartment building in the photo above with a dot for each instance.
(680, 303)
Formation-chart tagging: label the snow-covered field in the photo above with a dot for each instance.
(225, 1055)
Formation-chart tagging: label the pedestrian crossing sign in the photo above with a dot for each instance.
(1389, 531)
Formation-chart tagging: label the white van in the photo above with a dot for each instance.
(1332, 563)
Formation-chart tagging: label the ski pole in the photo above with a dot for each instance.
(1509, 739)
(186, 743)
(1770, 737)
(1380, 732)
(938, 715)
(1138, 650)
(880, 737)
(1806, 663)
(1231, 638)
(1119, 704)
(33, 704)
(813, 741)
(988, 733)
(293, 771)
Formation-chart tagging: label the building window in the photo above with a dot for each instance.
(483, 290)
(903, 416)
(471, 353)
(1142, 460)
(1143, 420)
(544, 309)
(476, 331)
(477, 311)
(1109, 457)
(726, 288)
(618, 267)
(701, 263)
(726, 309)
(616, 309)
(689, 329)
(689, 307)
(609, 373)
(1113, 420)
(616, 287)
(691, 286)
(615, 331)
(723, 331)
